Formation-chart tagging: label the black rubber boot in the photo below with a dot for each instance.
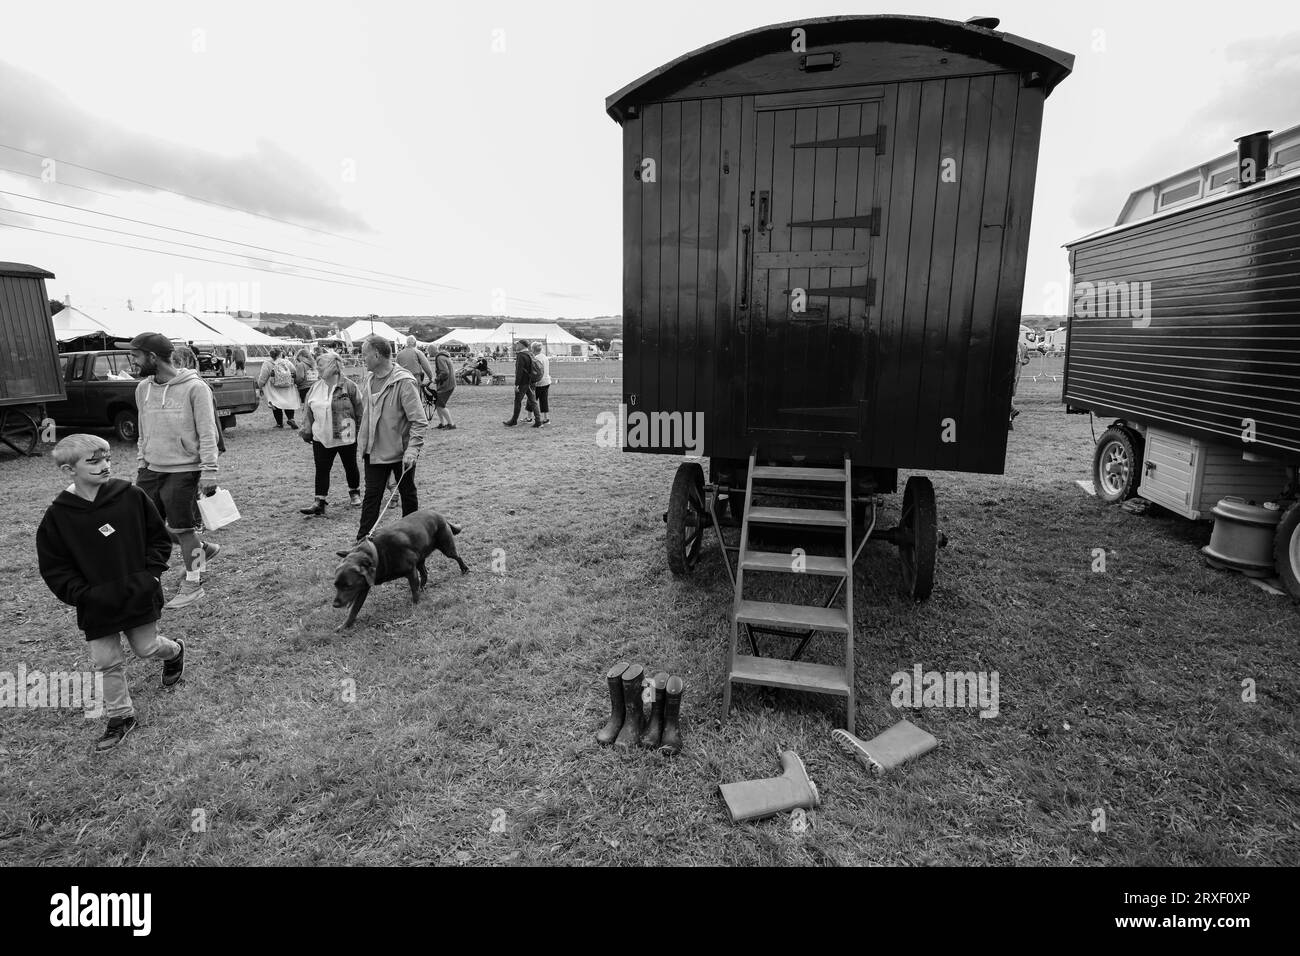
(672, 736)
(605, 736)
(632, 716)
(654, 726)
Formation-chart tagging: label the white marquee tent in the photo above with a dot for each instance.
(474, 338)
(360, 329)
(125, 324)
(558, 340)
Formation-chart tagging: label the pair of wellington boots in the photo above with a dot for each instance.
(628, 725)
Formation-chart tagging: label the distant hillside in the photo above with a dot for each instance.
(603, 326)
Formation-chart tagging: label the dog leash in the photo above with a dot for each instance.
(396, 488)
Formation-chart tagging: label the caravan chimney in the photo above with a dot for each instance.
(1252, 158)
(67, 300)
(129, 306)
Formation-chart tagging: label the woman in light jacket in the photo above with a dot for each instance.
(283, 398)
(543, 386)
(331, 414)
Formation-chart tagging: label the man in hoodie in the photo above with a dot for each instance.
(176, 452)
(391, 433)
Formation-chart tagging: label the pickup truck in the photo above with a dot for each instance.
(101, 394)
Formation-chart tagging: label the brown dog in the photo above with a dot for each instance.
(397, 551)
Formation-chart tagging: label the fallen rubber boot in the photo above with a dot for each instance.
(632, 716)
(654, 727)
(755, 799)
(605, 736)
(672, 737)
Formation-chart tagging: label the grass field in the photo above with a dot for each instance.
(1120, 691)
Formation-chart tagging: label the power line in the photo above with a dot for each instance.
(181, 255)
(233, 242)
(187, 245)
(176, 192)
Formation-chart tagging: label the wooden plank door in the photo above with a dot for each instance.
(815, 219)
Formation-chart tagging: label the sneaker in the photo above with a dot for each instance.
(293, 424)
(354, 499)
(546, 421)
(210, 550)
(510, 424)
(440, 427)
(451, 426)
(115, 733)
(174, 669)
(191, 592)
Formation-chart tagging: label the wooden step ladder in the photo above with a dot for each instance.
(794, 674)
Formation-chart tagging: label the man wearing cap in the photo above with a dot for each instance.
(176, 452)
(524, 385)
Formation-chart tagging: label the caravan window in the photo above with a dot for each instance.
(1223, 177)
(1288, 157)
(1180, 194)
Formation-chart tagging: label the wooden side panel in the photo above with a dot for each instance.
(29, 364)
(688, 256)
(645, 397)
(706, 298)
(1192, 322)
(670, 242)
(633, 259)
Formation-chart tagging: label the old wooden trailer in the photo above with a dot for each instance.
(29, 356)
(1185, 333)
(825, 225)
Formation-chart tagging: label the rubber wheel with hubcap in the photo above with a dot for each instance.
(918, 537)
(1286, 550)
(125, 426)
(1117, 465)
(687, 519)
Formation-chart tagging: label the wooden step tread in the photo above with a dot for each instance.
(793, 615)
(805, 516)
(792, 675)
(781, 473)
(785, 563)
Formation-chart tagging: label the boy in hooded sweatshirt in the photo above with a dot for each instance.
(102, 547)
(176, 452)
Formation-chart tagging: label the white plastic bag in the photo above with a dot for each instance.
(218, 509)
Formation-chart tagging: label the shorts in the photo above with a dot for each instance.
(442, 395)
(176, 496)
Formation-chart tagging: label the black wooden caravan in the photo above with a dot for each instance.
(1186, 333)
(29, 356)
(825, 225)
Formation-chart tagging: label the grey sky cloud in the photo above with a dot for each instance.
(269, 181)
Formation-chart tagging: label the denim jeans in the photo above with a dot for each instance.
(106, 656)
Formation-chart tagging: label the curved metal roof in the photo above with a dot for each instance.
(966, 38)
(23, 270)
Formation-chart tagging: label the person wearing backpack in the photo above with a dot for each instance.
(527, 372)
(304, 374)
(276, 380)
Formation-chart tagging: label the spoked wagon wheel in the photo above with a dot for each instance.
(918, 537)
(18, 431)
(687, 519)
(1286, 550)
(1117, 465)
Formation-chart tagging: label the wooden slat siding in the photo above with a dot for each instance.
(651, 210)
(707, 297)
(840, 311)
(633, 260)
(978, 424)
(737, 444)
(1223, 342)
(932, 346)
(874, 441)
(688, 263)
(670, 183)
(29, 366)
(825, 181)
(911, 409)
(728, 319)
(895, 278)
(862, 314)
(969, 151)
(1011, 285)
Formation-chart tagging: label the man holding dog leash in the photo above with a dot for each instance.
(391, 434)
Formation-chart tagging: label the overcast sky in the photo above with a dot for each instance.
(418, 150)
